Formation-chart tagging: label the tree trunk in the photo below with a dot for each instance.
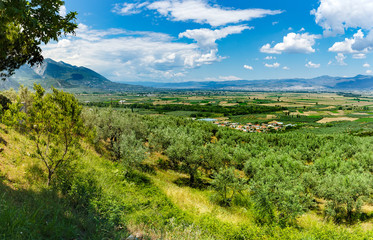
(50, 173)
(192, 179)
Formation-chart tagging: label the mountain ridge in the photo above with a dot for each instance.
(321, 83)
(68, 77)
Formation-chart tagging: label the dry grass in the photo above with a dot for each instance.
(16, 161)
(196, 201)
(327, 120)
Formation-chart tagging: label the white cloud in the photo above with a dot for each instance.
(352, 45)
(129, 8)
(292, 43)
(369, 72)
(206, 38)
(274, 65)
(62, 11)
(359, 56)
(337, 16)
(312, 65)
(334, 16)
(366, 65)
(269, 58)
(275, 23)
(131, 55)
(286, 68)
(340, 58)
(229, 78)
(248, 67)
(200, 11)
(302, 30)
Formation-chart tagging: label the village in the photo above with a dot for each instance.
(249, 127)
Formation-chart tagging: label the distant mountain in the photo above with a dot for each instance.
(68, 77)
(322, 83)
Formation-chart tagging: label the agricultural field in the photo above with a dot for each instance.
(302, 108)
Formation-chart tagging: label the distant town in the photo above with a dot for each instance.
(249, 127)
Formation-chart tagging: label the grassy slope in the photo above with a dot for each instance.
(150, 205)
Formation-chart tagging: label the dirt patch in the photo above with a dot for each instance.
(226, 104)
(310, 113)
(271, 116)
(327, 120)
(330, 107)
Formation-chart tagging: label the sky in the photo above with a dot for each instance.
(217, 40)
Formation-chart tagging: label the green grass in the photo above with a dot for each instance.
(181, 113)
(364, 120)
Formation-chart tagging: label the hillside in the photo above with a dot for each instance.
(109, 205)
(157, 177)
(68, 77)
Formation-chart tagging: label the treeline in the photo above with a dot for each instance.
(281, 176)
(208, 108)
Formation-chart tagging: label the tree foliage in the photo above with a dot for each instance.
(227, 184)
(24, 26)
(55, 123)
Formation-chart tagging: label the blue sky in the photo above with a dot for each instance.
(202, 40)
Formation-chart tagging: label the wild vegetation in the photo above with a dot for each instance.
(93, 173)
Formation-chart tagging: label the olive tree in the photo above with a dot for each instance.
(55, 123)
(227, 183)
(345, 194)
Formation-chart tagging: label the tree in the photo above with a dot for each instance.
(24, 26)
(55, 123)
(278, 192)
(345, 194)
(133, 150)
(4, 103)
(187, 153)
(227, 184)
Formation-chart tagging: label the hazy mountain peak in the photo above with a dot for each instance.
(71, 78)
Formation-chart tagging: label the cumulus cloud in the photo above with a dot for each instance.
(366, 65)
(269, 58)
(206, 38)
(292, 43)
(369, 72)
(129, 8)
(274, 65)
(62, 11)
(312, 65)
(199, 11)
(131, 55)
(340, 58)
(248, 67)
(286, 68)
(336, 16)
(357, 44)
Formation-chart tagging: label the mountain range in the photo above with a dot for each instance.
(322, 83)
(67, 77)
(81, 79)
